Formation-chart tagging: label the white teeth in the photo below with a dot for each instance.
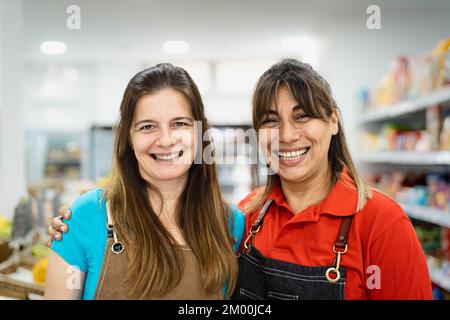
(167, 156)
(293, 154)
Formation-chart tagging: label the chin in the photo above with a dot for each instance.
(168, 176)
(292, 174)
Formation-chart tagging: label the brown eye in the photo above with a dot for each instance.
(147, 127)
(180, 124)
(302, 117)
(270, 121)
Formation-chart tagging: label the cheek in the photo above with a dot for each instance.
(318, 133)
(141, 143)
(268, 139)
(186, 138)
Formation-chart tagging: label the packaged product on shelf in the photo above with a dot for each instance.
(438, 191)
(402, 77)
(446, 243)
(441, 66)
(430, 239)
(370, 141)
(363, 98)
(444, 139)
(447, 69)
(421, 77)
(424, 142)
(433, 124)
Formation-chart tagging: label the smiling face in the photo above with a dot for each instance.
(303, 140)
(162, 136)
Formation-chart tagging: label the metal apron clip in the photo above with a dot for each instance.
(117, 247)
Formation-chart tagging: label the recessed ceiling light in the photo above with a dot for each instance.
(53, 47)
(176, 47)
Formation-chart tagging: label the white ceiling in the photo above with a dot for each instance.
(232, 28)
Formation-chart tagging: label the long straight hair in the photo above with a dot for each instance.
(313, 93)
(202, 214)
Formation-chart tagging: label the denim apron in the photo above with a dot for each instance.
(262, 278)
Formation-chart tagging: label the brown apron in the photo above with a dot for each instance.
(112, 284)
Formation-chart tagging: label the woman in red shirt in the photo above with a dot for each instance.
(317, 230)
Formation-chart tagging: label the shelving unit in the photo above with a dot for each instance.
(405, 107)
(437, 275)
(407, 158)
(235, 178)
(427, 214)
(412, 110)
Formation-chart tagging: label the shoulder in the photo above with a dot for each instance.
(379, 215)
(91, 200)
(85, 240)
(237, 226)
(249, 202)
(237, 215)
(88, 211)
(383, 206)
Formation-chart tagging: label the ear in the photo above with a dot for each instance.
(334, 122)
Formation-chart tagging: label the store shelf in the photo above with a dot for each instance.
(405, 107)
(438, 276)
(406, 157)
(431, 215)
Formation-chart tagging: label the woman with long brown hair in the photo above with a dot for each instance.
(161, 229)
(317, 230)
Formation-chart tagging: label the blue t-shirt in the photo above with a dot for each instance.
(83, 246)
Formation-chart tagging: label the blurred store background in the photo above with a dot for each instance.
(388, 63)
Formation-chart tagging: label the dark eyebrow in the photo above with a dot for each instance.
(294, 109)
(297, 108)
(182, 118)
(143, 121)
(269, 112)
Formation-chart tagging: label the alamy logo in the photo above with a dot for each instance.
(73, 22)
(74, 278)
(374, 20)
(374, 277)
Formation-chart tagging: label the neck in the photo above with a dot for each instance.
(170, 191)
(302, 194)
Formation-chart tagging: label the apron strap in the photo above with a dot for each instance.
(342, 238)
(340, 247)
(256, 226)
(261, 215)
(117, 246)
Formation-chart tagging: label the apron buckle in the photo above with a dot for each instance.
(117, 247)
(335, 269)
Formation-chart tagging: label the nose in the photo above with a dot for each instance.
(288, 133)
(166, 138)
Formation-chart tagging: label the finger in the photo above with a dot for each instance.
(59, 225)
(54, 234)
(49, 243)
(68, 214)
(64, 211)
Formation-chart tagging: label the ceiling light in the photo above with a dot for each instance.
(53, 47)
